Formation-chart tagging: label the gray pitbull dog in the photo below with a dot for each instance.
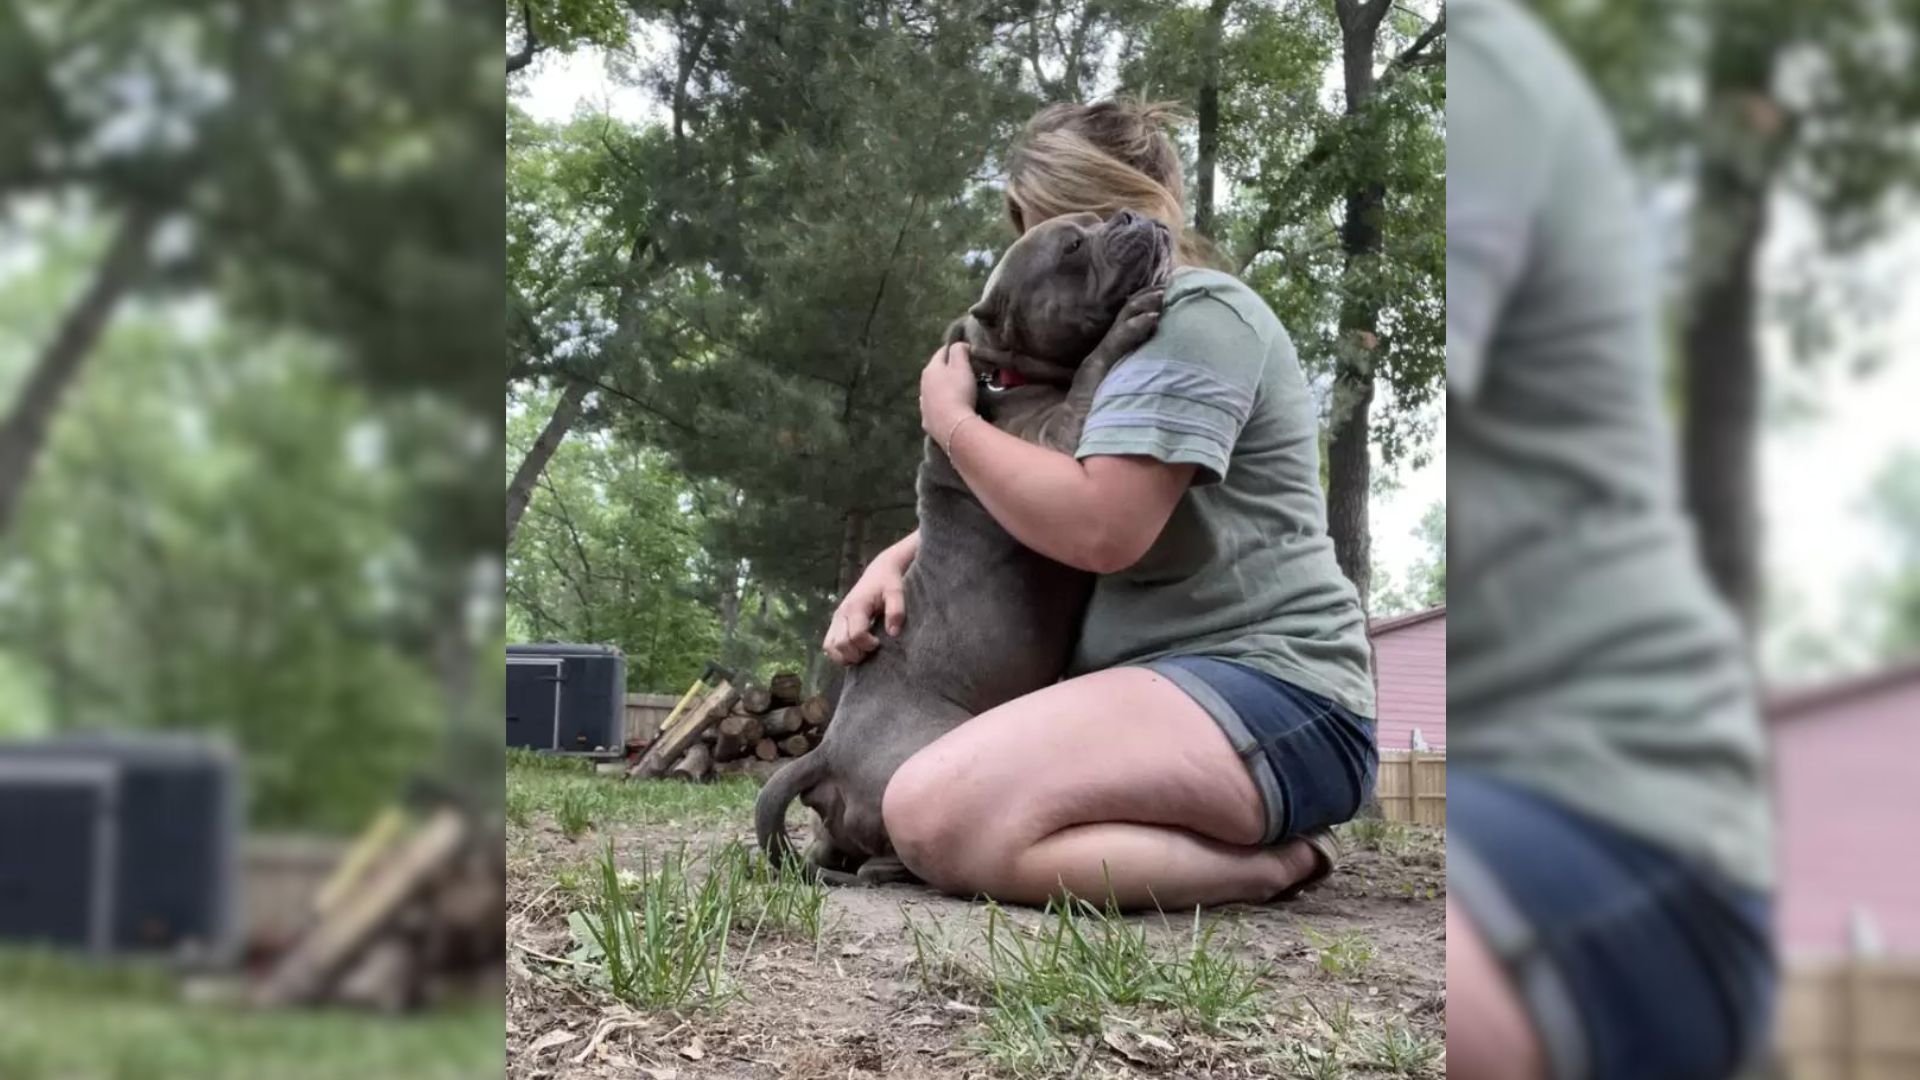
(988, 620)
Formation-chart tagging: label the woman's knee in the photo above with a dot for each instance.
(935, 833)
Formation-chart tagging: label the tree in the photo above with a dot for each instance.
(341, 202)
(1426, 584)
(216, 543)
(562, 26)
(1335, 211)
(1704, 97)
(1895, 505)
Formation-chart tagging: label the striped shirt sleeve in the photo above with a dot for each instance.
(1184, 396)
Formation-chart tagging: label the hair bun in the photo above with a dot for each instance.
(1159, 115)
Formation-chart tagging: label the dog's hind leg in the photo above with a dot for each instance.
(886, 870)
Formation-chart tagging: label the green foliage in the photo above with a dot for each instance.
(211, 543)
(1289, 156)
(606, 554)
(565, 25)
(264, 507)
(1426, 584)
(1895, 503)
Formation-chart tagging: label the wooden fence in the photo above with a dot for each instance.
(280, 875)
(1413, 786)
(645, 712)
(1851, 1018)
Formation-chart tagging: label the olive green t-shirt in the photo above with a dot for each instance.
(1244, 569)
(1588, 657)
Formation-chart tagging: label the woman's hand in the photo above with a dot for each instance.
(948, 392)
(880, 590)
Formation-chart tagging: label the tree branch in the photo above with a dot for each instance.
(1415, 55)
(25, 431)
(520, 59)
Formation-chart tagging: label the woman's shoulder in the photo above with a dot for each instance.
(1194, 283)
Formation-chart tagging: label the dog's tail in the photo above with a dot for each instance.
(770, 809)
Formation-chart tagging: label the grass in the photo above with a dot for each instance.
(64, 1018)
(1374, 1046)
(1048, 988)
(579, 799)
(663, 937)
(1343, 956)
(1401, 1050)
(1395, 838)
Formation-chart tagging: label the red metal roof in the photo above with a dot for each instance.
(1811, 700)
(1400, 622)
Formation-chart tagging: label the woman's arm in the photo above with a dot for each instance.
(901, 554)
(1100, 515)
(881, 590)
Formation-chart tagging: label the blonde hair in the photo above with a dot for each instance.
(1104, 157)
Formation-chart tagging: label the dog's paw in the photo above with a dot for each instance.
(1137, 321)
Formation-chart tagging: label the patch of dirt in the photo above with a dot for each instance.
(856, 1006)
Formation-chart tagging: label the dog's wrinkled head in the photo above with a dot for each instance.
(1056, 291)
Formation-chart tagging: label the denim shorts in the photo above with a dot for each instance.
(1313, 761)
(1632, 962)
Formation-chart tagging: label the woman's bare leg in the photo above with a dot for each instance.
(1115, 779)
(1489, 1036)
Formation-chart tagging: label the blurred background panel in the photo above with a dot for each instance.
(1777, 148)
(250, 317)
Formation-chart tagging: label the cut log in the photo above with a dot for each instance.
(756, 700)
(737, 734)
(785, 689)
(309, 970)
(766, 750)
(695, 765)
(795, 745)
(784, 722)
(684, 732)
(759, 771)
(816, 712)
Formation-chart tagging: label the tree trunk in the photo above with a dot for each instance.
(1207, 116)
(1349, 464)
(853, 543)
(1350, 480)
(520, 491)
(1722, 378)
(25, 433)
(524, 55)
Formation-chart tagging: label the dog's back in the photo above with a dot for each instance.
(988, 620)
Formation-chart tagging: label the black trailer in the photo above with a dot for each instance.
(569, 699)
(121, 843)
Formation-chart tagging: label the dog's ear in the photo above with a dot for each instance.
(986, 313)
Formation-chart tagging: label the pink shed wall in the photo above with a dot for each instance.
(1412, 659)
(1847, 778)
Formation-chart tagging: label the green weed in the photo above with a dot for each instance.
(575, 812)
(659, 942)
(1343, 956)
(1400, 1049)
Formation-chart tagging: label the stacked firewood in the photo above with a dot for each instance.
(733, 732)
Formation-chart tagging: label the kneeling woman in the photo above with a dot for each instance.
(1216, 720)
